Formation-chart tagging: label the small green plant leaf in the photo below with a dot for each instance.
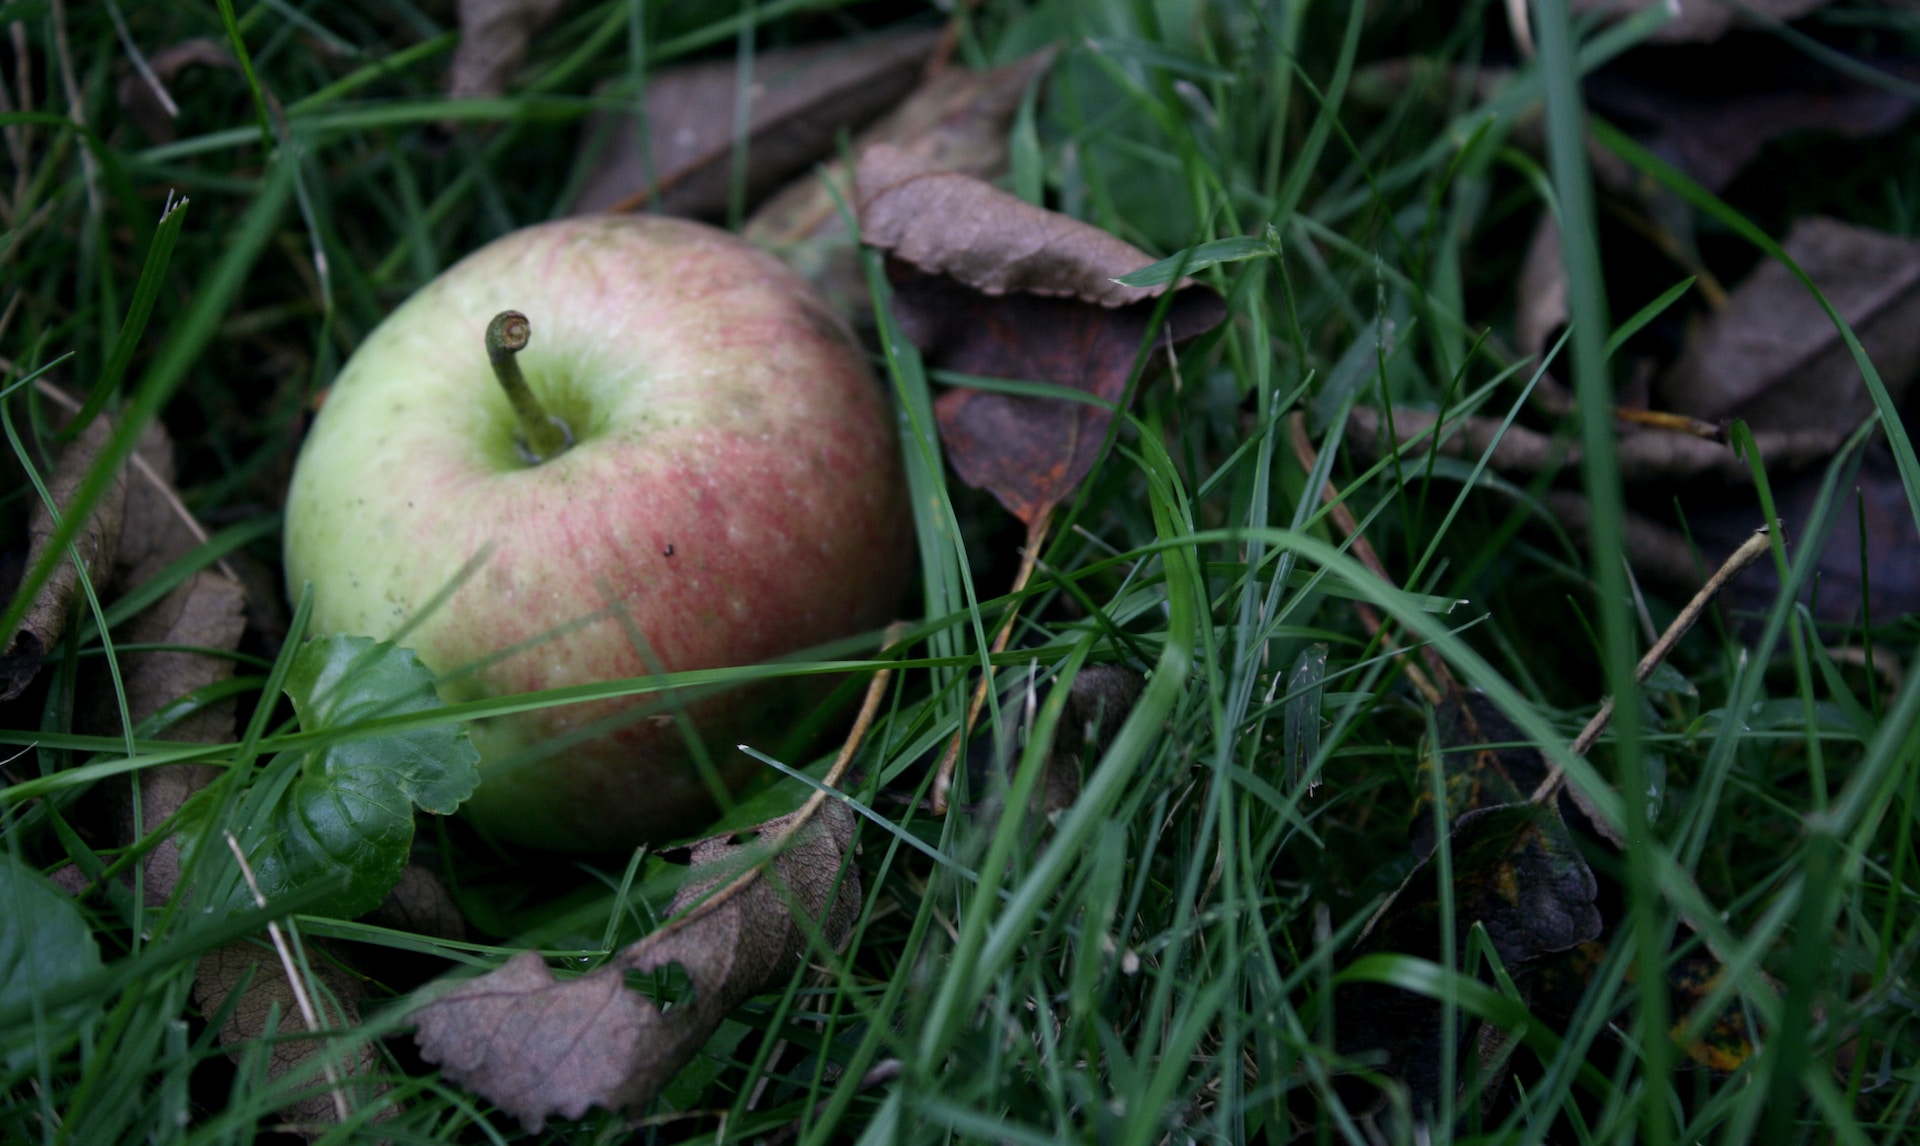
(45, 943)
(349, 811)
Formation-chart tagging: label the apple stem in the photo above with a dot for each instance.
(543, 434)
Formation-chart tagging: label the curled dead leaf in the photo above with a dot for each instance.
(989, 285)
(538, 1046)
(96, 547)
(957, 120)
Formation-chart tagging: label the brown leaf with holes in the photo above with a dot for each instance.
(494, 38)
(96, 545)
(799, 101)
(539, 1046)
(990, 285)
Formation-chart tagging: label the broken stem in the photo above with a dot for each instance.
(545, 435)
(950, 763)
(1750, 551)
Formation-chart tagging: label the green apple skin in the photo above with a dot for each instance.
(733, 494)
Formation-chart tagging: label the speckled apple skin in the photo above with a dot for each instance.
(734, 488)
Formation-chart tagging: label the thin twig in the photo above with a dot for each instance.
(869, 708)
(950, 763)
(1308, 458)
(312, 1018)
(1750, 551)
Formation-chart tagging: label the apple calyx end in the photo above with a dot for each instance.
(542, 435)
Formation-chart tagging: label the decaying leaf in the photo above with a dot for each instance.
(957, 121)
(267, 1005)
(538, 1046)
(798, 101)
(96, 546)
(494, 38)
(1098, 702)
(1712, 114)
(1517, 871)
(989, 285)
(1774, 359)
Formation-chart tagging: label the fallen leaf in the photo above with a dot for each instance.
(1517, 871)
(45, 944)
(799, 101)
(267, 1006)
(422, 904)
(990, 285)
(96, 545)
(957, 120)
(494, 38)
(1774, 359)
(538, 1046)
(1710, 112)
(1098, 702)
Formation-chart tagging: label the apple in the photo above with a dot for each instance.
(722, 486)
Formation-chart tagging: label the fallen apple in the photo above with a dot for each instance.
(687, 466)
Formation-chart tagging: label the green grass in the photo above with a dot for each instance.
(1162, 965)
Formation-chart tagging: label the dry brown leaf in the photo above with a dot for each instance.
(537, 1046)
(1698, 21)
(494, 38)
(1712, 113)
(96, 544)
(965, 229)
(267, 1004)
(1774, 358)
(956, 121)
(1098, 702)
(420, 903)
(800, 99)
(989, 285)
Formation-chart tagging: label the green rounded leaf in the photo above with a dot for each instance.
(45, 944)
(348, 813)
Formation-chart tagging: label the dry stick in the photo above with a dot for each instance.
(1308, 458)
(1030, 557)
(1750, 551)
(307, 1012)
(869, 708)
